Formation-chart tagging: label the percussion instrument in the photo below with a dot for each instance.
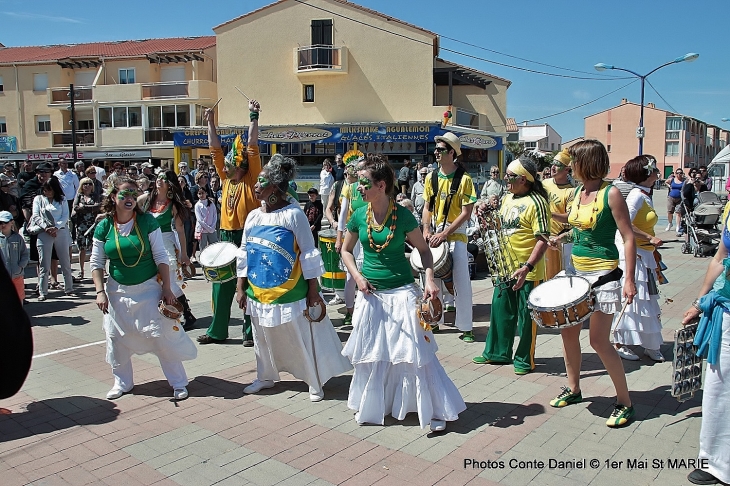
(334, 276)
(219, 262)
(189, 270)
(687, 365)
(553, 261)
(443, 264)
(316, 313)
(429, 312)
(497, 249)
(172, 311)
(561, 302)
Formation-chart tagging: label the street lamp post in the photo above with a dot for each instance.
(640, 131)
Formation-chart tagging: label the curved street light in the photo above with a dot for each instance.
(725, 119)
(689, 57)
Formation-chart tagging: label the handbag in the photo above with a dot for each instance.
(38, 224)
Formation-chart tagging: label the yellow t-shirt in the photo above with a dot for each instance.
(725, 212)
(350, 192)
(525, 218)
(237, 200)
(465, 195)
(642, 215)
(560, 197)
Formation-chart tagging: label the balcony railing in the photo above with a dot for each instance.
(177, 89)
(83, 94)
(466, 118)
(64, 139)
(320, 58)
(157, 135)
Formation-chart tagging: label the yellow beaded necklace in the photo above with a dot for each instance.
(371, 225)
(139, 236)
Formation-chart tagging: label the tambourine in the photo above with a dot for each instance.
(189, 270)
(315, 313)
(429, 312)
(172, 311)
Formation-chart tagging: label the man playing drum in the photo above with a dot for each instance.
(449, 197)
(238, 174)
(560, 191)
(525, 216)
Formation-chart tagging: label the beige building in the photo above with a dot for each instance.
(127, 96)
(675, 140)
(332, 66)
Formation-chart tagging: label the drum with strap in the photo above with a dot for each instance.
(561, 302)
(443, 264)
(333, 277)
(219, 262)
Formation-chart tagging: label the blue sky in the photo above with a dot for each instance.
(635, 34)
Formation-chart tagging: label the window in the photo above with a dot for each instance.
(120, 117)
(322, 36)
(168, 116)
(674, 123)
(609, 127)
(608, 147)
(308, 93)
(3, 125)
(673, 135)
(43, 123)
(2, 86)
(552, 147)
(126, 76)
(671, 148)
(85, 125)
(40, 82)
(530, 145)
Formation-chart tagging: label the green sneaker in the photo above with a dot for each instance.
(449, 308)
(520, 371)
(482, 360)
(435, 328)
(566, 397)
(620, 416)
(467, 337)
(348, 320)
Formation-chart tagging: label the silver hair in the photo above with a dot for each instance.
(78, 164)
(280, 171)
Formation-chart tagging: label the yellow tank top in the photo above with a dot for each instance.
(645, 220)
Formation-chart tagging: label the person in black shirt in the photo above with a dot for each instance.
(314, 211)
(338, 171)
(26, 174)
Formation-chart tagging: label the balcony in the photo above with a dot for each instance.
(62, 96)
(157, 136)
(320, 59)
(177, 89)
(63, 139)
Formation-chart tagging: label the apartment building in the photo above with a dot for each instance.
(127, 96)
(675, 140)
(541, 138)
(332, 75)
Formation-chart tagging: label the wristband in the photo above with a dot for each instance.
(254, 115)
(696, 304)
(529, 265)
(100, 291)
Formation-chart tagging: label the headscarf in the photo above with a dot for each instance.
(235, 156)
(516, 167)
(564, 158)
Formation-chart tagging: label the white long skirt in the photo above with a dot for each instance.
(641, 323)
(715, 431)
(172, 248)
(287, 345)
(135, 326)
(396, 368)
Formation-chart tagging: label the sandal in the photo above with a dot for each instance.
(205, 339)
(54, 285)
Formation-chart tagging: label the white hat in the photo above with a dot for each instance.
(451, 140)
(182, 164)
(148, 165)
(5, 216)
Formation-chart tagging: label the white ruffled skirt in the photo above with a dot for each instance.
(396, 369)
(135, 326)
(641, 323)
(172, 248)
(607, 296)
(283, 342)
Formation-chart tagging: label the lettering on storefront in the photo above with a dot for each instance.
(294, 134)
(478, 141)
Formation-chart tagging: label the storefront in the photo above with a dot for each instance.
(109, 156)
(310, 145)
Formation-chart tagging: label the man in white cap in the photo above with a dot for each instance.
(449, 197)
(183, 166)
(147, 168)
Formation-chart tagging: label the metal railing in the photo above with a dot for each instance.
(63, 139)
(157, 135)
(466, 118)
(176, 89)
(319, 57)
(83, 94)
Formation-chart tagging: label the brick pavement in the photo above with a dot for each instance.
(60, 430)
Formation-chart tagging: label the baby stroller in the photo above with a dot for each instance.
(703, 236)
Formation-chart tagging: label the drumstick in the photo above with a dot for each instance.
(618, 321)
(216, 104)
(244, 95)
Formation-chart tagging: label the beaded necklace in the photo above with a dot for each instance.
(159, 209)
(139, 236)
(234, 194)
(371, 225)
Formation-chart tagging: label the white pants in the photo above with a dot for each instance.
(462, 286)
(173, 370)
(350, 284)
(62, 243)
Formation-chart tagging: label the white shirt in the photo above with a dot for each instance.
(69, 183)
(100, 173)
(326, 181)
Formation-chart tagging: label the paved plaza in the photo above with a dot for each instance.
(59, 429)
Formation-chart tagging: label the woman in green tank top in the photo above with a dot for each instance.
(598, 209)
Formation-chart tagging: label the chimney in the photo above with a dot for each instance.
(624, 101)
(650, 105)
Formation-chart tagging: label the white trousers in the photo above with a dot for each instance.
(462, 286)
(174, 372)
(350, 284)
(62, 243)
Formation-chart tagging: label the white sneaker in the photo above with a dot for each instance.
(627, 354)
(336, 300)
(654, 354)
(180, 393)
(257, 386)
(315, 396)
(669, 227)
(438, 425)
(116, 392)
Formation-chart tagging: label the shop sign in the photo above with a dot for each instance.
(483, 142)
(8, 144)
(294, 134)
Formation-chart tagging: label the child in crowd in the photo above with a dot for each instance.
(206, 217)
(14, 252)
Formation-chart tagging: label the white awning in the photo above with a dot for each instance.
(722, 157)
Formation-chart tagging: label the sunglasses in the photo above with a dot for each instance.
(511, 177)
(87, 184)
(92, 173)
(4, 222)
(125, 193)
(558, 165)
(441, 149)
(365, 183)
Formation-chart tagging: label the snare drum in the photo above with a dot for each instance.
(219, 262)
(334, 276)
(561, 302)
(443, 264)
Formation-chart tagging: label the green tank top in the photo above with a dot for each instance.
(594, 240)
(164, 219)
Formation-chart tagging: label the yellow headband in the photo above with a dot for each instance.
(564, 157)
(516, 167)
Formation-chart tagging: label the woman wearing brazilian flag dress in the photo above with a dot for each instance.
(278, 267)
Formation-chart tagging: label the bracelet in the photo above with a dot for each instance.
(529, 265)
(100, 291)
(696, 304)
(254, 115)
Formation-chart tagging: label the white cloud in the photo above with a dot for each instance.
(40, 17)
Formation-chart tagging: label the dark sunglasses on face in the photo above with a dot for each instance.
(511, 177)
(441, 149)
